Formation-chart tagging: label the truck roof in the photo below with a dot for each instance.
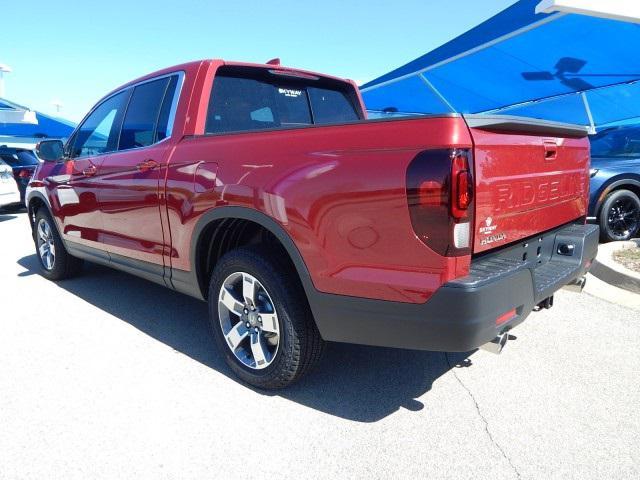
(194, 66)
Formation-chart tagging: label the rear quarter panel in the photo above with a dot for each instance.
(338, 191)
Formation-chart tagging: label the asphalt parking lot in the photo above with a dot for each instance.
(109, 376)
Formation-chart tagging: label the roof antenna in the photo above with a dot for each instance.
(274, 61)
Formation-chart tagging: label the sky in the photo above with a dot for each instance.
(75, 52)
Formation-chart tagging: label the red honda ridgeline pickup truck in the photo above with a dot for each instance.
(264, 191)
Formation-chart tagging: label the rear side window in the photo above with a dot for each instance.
(139, 127)
(163, 129)
(18, 158)
(331, 106)
(245, 99)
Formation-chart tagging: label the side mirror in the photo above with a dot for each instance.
(50, 150)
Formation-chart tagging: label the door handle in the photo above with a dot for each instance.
(550, 150)
(90, 171)
(147, 165)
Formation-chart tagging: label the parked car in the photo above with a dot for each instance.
(263, 190)
(23, 162)
(9, 194)
(615, 182)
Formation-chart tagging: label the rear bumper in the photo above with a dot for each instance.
(462, 314)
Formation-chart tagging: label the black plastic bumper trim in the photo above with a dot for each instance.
(460, 316)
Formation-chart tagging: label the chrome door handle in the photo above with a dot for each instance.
(90, 171)
(147, 165)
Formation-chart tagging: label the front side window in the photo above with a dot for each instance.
(245, 99)
(139, 127)
(99, 132)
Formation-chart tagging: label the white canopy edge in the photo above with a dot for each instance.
(18, 116)
(624, 10)
(28, 143)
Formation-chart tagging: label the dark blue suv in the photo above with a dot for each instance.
(615, 182)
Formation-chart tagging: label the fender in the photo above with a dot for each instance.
(613, 184)
(37, 192)
(189, 283)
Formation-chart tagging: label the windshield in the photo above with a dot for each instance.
(616, 142)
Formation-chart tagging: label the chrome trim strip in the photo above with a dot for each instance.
(174, 104)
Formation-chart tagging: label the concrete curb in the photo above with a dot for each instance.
(608, 270)
(614, 295)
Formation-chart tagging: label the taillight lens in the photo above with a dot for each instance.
(462, 185)
(440, 199)
(24, 174)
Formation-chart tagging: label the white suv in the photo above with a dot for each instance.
(9, 193)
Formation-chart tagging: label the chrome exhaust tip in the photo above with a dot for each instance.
(576, 285)
(497, 344)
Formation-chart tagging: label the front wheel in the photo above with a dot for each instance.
(54, 259)
(620, 216)
(261, 319)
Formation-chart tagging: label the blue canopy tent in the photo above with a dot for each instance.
(18, 121)
(570, 62)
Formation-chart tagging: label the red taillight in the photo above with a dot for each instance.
(440, 195)
(24, 174)
(462, 186)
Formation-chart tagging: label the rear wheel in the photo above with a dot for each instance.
(620, 216)
(55, 261)
(261, 319)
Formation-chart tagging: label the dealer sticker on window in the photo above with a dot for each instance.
(288, 92)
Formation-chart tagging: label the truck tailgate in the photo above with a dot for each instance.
(530, 176)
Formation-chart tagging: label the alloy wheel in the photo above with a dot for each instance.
(46, 245)
(248, 320)
(623, 218)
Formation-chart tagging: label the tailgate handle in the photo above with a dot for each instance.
(550, 150)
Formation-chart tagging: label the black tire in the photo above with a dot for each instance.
(63, 265)
(300, 345)
(619, 216)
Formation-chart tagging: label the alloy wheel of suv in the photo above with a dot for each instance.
(620, 216)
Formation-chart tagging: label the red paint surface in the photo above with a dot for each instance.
(523, 189)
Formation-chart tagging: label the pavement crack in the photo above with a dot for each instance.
(482, 417)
